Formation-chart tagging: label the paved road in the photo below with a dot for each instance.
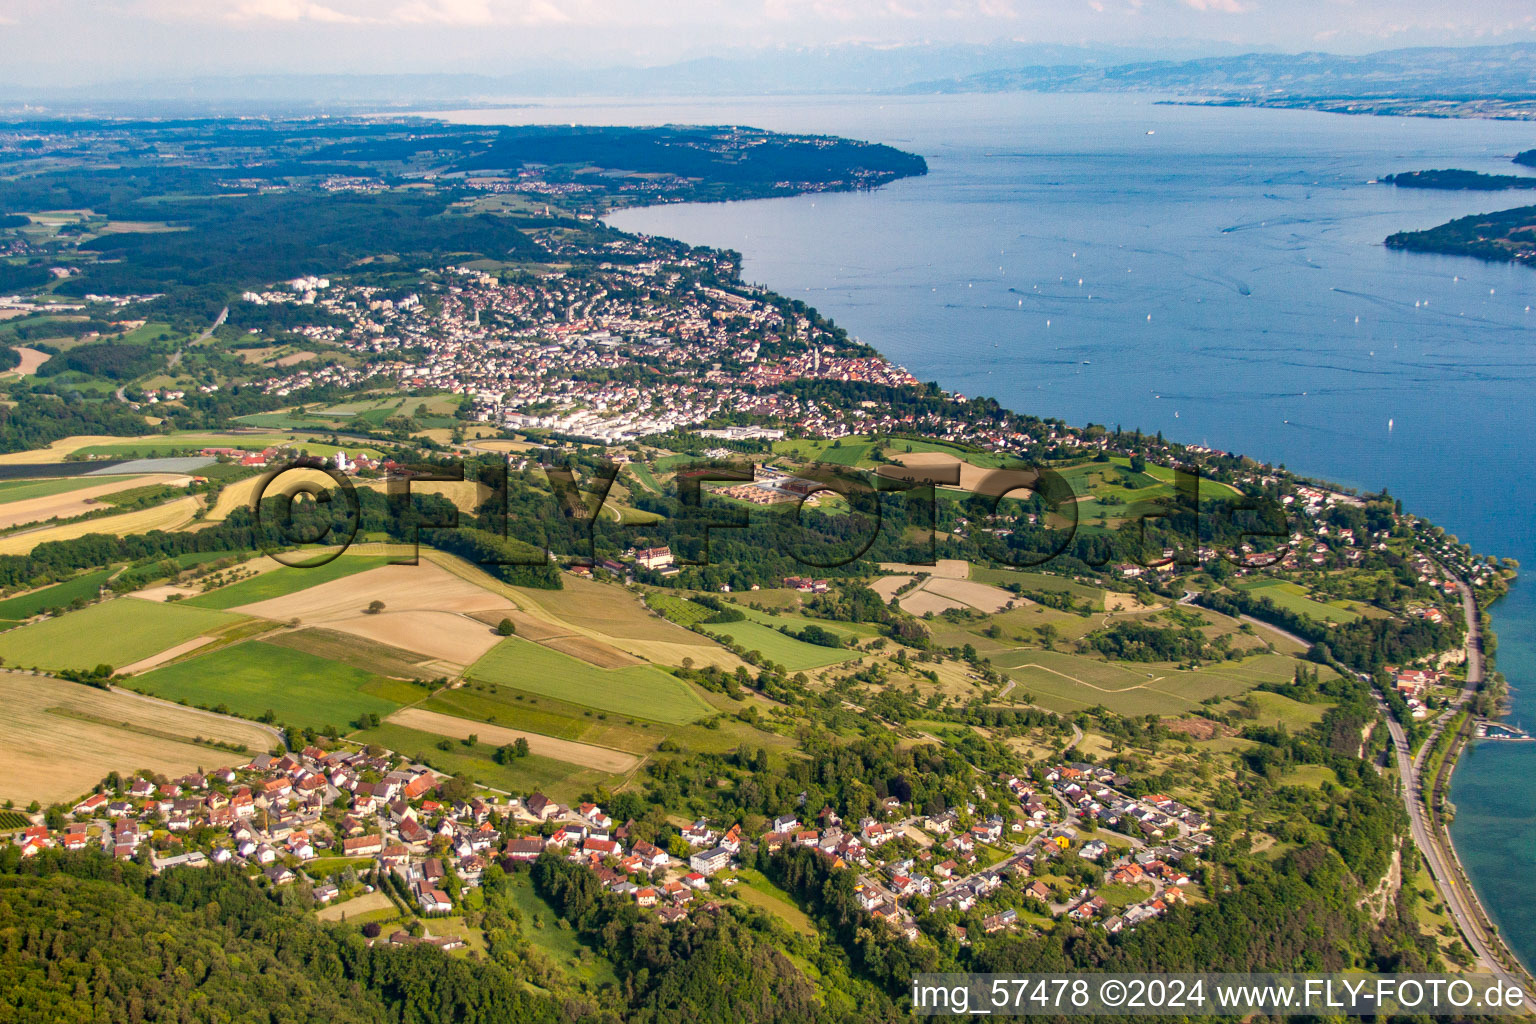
(1458, 897)
(175, 359)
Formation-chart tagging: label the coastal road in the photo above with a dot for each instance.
(1457, 894)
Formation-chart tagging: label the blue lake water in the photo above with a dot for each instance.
(1217, 274)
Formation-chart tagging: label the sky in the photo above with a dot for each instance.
(73, 42)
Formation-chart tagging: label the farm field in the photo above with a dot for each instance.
(155, 445)
(920, 602)
(425, 609)
(26, 489)
(837, 453)
(378, 658)
(529, 774)
(794, 655)
(549, 716)
(978, 473)
(255, 677)
(944, 568)
(158, 517)
(587, 755)
(117, 632)
(59, 595)
(1294, 598)
(281, 580)
(1068, 682)
(641, 692)
(466, 495)
(846, 630)
(1294, 715)
(604, 608)
(981, 596)
(242, 493)
(1038, 581)
(62, 738)
(609, 613)
(56, 451)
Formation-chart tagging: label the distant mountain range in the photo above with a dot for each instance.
(1457, 73)
(1462, 81)
(810, 70)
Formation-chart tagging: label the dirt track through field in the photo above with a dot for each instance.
(156, 660)
(587, 755)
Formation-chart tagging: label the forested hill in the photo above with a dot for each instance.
(86, 939)
(218, 206)
(1506, 236)
(1460, 180)
(1527, 158)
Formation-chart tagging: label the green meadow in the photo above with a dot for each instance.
(116, 633)
(285, 580)
(255, 677)
(639, 691)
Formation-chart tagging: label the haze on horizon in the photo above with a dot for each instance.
(63, 43)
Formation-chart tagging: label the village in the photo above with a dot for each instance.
(339, 825)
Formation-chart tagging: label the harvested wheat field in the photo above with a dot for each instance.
(466, 495)
(424, 587)
(608, 613)
(920, 602)
(56, 451)
(63, 738)
(31, 359)
(591, 651)
(944, 568)
(981, 596)
(427, 610)
(79, 501)
(936, 467)
(563, 639)
(159, 517)
(587, 755)
(242, 493)
(886, 586)
(527, 627)
(448, 637)
(1114, 602)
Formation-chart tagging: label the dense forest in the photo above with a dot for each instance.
(83, 938)
(1490, 236)
(1460, 180)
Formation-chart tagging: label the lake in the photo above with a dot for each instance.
(1213, 273)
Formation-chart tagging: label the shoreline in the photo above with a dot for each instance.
(1437, 833)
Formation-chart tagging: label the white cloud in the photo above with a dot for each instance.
(1223, 6)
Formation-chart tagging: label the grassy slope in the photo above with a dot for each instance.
(642, 691)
